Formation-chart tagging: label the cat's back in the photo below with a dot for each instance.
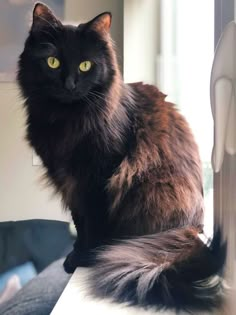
(165, 138)
(148, 90)
(161, 120)
(150, 100)
(163, 165)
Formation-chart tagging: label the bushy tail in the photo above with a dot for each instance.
(172, 269)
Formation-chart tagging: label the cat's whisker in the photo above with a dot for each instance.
(103, 98)
(46, 43)
(95, 109)
(101, 95)
(97, 96)
(87, 100)
(90, 103)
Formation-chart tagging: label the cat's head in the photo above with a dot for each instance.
(66, 63)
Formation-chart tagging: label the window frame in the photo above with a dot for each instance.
(224, 13)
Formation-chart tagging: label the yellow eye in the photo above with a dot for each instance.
(85, 66)
(53, 62)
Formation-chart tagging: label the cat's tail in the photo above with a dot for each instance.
(172, 269)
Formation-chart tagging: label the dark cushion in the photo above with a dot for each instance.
(39, 241)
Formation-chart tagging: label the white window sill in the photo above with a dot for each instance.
(76, 300)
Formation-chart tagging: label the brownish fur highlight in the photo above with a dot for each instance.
(166, 176)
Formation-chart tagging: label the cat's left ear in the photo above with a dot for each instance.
(43, 16)
(101, 23)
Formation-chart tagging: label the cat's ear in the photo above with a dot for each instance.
(101, 23)
(43, 16)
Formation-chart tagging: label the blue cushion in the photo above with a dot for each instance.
(25, 272)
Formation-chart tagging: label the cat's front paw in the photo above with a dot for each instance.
(76, 259)
(71, 262)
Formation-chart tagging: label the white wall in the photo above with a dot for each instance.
(141, 40)
(21, 194)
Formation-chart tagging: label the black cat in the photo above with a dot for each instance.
(126, 165)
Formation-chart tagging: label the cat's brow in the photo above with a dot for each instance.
(49, 45)
(46, 49)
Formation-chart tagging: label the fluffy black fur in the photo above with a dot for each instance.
(126, 165)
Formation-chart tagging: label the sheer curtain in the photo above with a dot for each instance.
(183, 73)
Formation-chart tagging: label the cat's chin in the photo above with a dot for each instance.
(67, 99)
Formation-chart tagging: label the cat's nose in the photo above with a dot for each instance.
(70, 83)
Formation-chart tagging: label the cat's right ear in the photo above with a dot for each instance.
(101, 23)
(43, 17)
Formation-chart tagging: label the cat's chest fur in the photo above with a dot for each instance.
(78, 167)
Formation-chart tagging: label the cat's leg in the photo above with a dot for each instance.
(87, 239)
(72, 259)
